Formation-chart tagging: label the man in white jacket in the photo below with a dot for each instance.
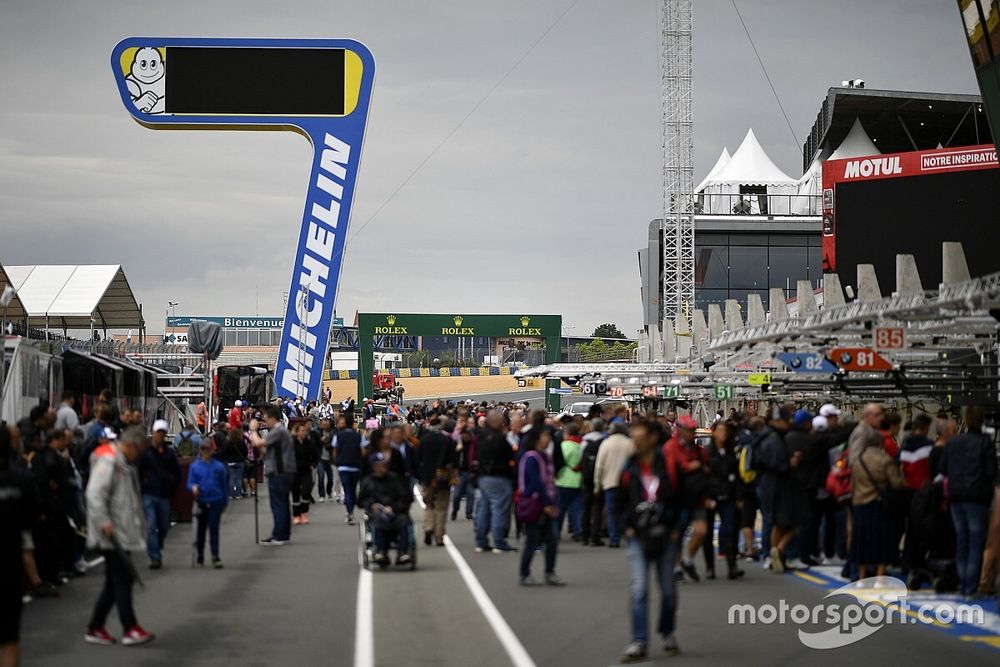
(116, 525)
(611, 458)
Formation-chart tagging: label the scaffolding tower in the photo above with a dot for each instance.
(678, 160)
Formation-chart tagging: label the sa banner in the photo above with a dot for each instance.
(320, 88)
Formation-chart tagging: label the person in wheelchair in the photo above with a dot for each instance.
(386, 499)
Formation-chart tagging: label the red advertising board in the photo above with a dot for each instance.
(892, 165)
(858, 359)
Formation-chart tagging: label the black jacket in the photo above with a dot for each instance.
(389, 490)
(969, 462)
(588, 457)
(348, 452)
(159, 473)
(494, 455)
(724, 475)
(437, 451)
(631, 495)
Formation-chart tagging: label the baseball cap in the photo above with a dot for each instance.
(820, 423)
(829, 410)
(377, 458)
(161, 425)
(687, 422)
(238, 404)
(802, 417)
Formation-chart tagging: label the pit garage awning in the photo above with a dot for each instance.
(76, 296)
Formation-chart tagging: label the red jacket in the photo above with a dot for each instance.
(236, 418)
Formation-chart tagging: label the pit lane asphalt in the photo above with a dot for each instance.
(296, 605)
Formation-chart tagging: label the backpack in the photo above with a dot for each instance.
(838, 480)
(747, 472)
(186, 446)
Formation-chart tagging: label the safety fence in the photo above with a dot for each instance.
(427, 372)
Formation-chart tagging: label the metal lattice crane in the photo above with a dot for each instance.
(678, 160)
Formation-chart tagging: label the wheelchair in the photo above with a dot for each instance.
(367, 546)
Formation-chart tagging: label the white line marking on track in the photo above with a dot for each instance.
(364, 635)
(511, 644)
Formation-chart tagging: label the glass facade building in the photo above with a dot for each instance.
(733, 265)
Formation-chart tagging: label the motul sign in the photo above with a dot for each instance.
(885, 166)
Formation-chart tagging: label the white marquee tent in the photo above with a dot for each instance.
(76, 296)
(857, 143)
(752, 173)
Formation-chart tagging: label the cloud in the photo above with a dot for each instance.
(538, 203)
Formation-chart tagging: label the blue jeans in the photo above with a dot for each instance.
(493, 510)
(235, 479)
(610, 497)
(349, 478)
(158, 524)
(209, 516)
(569, 503)
(970, 520)
(638, 590)
(324, 479)
(278, 488)
(466, 488)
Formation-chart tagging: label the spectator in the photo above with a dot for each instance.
(349, 451)
(116, 524)
(279, 469)
(970, 464)
(18, 511)
(693, 461)
(649, 507)
(438, 467)
(536, 480)
(494, 464)
(611, 457)
(208, 482)
(593, 503)
(723, 484)
(873, 474)
(66, 417)
(188, 441)
(159, 475)
(569, 481)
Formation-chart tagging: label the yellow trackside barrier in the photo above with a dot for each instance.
(465, 372)
(505, 370)
(425, 372)
(445, 372)
(404, 372)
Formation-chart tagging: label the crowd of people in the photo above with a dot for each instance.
(789, 489)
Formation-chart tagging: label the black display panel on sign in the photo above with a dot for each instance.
(254, 81)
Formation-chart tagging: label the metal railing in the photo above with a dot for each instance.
(757, 204)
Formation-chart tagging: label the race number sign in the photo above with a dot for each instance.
(859, 359)
(723, 392)
(595, 387)
(617, 392)
(889, 338)
(320, 88)
(758, 379)
(807, 362)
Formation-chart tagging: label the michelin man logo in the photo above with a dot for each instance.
(146, 82)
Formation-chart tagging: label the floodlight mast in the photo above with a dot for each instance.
(678, 161)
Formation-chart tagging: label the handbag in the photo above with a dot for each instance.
(838, 480)
(527, 509)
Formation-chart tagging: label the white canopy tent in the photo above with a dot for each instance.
(76, 296)
(751, 173)
(720, 164)
(857, 143)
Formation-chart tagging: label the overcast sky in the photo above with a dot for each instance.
(537, 204)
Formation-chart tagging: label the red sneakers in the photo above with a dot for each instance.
(136, 635)
(98, 636)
